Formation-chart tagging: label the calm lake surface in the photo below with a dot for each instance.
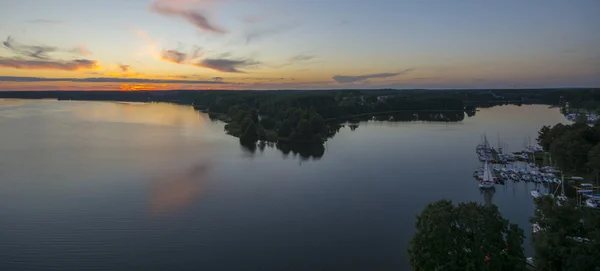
(115, 186)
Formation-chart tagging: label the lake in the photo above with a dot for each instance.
(118, 186)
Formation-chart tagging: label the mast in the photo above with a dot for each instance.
(500, 149)
(485, 141)
(562, 183)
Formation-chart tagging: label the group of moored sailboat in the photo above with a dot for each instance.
(530, 174)
(499, 167)
(559, 198)
(497, 163)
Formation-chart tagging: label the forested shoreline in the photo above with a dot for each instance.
(309, 117)
(575, 148)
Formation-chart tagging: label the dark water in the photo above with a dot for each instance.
(111, 186)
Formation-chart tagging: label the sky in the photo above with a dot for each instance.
(297, 44)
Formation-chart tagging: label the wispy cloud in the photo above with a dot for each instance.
(257, 34)
(45, 21)
(72, 65)
(227, 65)
(107, 80)
(358, 78)
(124, 68)
(185, 10)
(300, 59)
(39, 52)
(35, 57)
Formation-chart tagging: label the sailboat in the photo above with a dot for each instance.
(560, 198)
(484, 151)
(488, 180)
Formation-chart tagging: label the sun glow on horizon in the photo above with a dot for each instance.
(252, 45)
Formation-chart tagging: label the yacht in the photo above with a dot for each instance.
(526, 177)
(546, 180)
(536, 193)
(514, 177)
(593, 202)
(557, 181)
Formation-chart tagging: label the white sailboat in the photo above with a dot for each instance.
(560, 198)
(536, 193)
(487, 181)
(593, 202)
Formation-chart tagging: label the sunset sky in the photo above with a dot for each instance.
(297, 44)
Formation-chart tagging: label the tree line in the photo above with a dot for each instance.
(315, 116)
(574, 148)
(474, 237)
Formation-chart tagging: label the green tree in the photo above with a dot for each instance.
(568, 236)
(303, 131)
(594, 158)
(543, 132)
(466, 237)
(249, 133)
(247, 122)
(285, 129)
(548, 137)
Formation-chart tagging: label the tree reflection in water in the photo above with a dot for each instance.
(304, 151)
(315, 151)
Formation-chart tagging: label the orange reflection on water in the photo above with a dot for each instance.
(142, 113)
(175, 192)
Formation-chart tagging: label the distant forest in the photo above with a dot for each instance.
(295, 116)
(584, 97)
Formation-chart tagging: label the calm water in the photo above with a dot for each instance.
(113, 186)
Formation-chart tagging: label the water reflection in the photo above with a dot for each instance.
(488, 196)
(72, 190)
(315, 150)
(163, 114)
(11, 102)
(174, 192)
(446, 116)
(304, 151)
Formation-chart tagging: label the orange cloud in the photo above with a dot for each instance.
(124, 68)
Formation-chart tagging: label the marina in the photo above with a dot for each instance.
(499, 167)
